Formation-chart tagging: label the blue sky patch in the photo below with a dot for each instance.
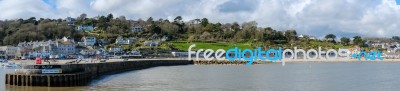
(398, 2)
(51, 3)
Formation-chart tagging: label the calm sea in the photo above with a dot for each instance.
(307, 76)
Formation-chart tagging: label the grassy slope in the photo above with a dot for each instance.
(214, 46)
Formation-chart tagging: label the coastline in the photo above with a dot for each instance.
(202, 61)
(341, 60)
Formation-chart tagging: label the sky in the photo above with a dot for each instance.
(344, 18)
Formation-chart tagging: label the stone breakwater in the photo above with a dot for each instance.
(79, 74)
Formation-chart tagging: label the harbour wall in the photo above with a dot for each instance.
(79, 74)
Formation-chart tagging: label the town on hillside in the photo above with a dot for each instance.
(119, 37)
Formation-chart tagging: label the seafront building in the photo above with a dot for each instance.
(88, 41)
(8, 51)
(63, 48)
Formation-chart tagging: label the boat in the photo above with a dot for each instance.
(11, 65)
(3, 61)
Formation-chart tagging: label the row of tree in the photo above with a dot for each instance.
(108, 27)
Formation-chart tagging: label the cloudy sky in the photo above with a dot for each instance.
(372, 18)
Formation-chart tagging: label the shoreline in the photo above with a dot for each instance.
(86, 61)
(341, 60)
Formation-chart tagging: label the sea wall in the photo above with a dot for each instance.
(80, 74)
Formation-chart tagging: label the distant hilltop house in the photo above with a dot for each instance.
(137, 28)
(70, 20)
(164, 38)
(309, 37)
(88, 41)
(153, 40)
(84, 28)
(154, 36)
(120, 40)
(151, 43)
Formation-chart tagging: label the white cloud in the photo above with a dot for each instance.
(315, 17)
(15, 9)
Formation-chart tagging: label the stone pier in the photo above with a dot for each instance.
(78, 74)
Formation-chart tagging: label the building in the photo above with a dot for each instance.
(70, 20)
(2, 54)
(37, 48)
(137, 28)
(120, 40)
(87, 51)
(9, 51)
(164, 38)
(102, 42)
(88, 41)
(151, 43)
(43, 51)
(66, 46)
(115, 49)
(84, 28)
(154, 36)
(301, 36)
(126, 41)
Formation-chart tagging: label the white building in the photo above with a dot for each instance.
(151, 43)
(43, 51)
(37, 48)
(88, 41)
(115, 49)
(120, 40)
(9, 51)
(84, 28)
(126, 41)
(66, 46)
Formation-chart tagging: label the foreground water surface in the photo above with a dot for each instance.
(355, 76)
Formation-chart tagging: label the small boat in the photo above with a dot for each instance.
(3, 62)
(11, 65)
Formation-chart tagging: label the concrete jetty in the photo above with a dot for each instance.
(66, 75)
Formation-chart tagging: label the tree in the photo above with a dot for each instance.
(204, 22)
(110, 17)
(330, 37)
(178, 19)
(357, 40)
(345, 40)
(291, 35)
(82, 16)
(396, 38)
(150, 20)
(102, 23)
